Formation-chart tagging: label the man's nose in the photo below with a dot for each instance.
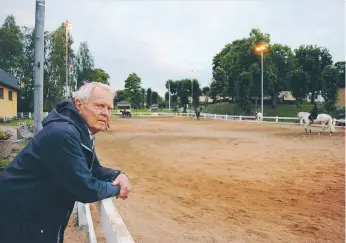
(106, 112)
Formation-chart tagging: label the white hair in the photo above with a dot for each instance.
(84, 92)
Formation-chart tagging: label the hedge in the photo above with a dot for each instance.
(3, 164)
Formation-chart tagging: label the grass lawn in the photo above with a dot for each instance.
(134, 111)
(282, 110)
(16, 122)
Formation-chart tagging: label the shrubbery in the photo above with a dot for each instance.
(4, 163)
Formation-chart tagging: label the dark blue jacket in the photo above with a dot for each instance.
(57, 167)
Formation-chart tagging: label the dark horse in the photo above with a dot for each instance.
(125, 113)
(198, 113)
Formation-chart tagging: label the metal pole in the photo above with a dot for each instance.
(192, 92)
(262, 83)
(169, 95)
(39, 65)
(67, 87)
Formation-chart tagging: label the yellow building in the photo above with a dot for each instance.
(8, 95)
(341, 97)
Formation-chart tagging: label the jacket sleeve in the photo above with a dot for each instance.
(103, 173)
(66, 163)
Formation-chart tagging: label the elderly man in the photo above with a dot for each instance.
(58, 167)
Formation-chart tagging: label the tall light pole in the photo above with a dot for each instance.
(68, 26)
(169, 95)
(39, 65)
(261, 48)
(192, 73)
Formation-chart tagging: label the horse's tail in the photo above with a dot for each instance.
(331, 125)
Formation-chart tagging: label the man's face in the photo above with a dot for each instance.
(96, 111)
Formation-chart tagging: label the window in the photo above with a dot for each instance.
(10, 95)
(1, 93)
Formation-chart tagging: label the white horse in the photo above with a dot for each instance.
(259, 116)
(323, 119)
(301, 115)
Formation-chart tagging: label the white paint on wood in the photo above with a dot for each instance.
(91, 231)
(112, 224)
(85, 219)
(82, 219)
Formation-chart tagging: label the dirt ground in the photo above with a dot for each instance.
(222, 181)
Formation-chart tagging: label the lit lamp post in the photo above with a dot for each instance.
(169, 95)
(192, 73)
(261, 48)
(68, 26)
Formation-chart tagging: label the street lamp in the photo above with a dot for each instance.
(261, 48)
(192, 90)
(68, 26)
(169, 95)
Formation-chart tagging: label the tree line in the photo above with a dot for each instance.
(236, 72)
(181, 92)
(307, 69)
(17, 48)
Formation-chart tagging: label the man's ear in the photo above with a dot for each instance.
(78, 105)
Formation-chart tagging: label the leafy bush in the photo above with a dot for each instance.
(5, 135)
(3, 164)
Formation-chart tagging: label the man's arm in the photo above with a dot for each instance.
(103, 173)
(65, 161)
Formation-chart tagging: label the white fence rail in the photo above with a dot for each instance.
(266, 119)
(112, 225)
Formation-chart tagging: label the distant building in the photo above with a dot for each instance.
(9, 89)
(341, 97)
(318, 98)
(286, 95)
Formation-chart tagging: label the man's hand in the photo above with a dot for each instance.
(124, 184)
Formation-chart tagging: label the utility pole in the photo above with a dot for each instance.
(262, 83)
(39, 65)
(169, 95)
(192, 90)
(68, 26)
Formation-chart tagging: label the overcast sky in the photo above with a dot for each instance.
(162, 40)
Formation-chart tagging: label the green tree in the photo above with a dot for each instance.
(11, 47)
(299, 85)
(196, 93)
(243, 90)
(54, 87)
(142, 97)
(341, 73)
(205, 90)
(84, 65)
(281, 59)
(149, 98)
(155, 97)
(330, 81)
(99, 75)
(133, 89)
(313, 60)
(26, 93)
(183, 92)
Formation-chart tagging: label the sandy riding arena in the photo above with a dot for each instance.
(222, 181)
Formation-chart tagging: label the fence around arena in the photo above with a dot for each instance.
(266, 119)
(112, 224)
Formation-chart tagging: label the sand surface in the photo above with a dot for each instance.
(222, 181)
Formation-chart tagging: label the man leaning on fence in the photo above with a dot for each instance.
(58, 167)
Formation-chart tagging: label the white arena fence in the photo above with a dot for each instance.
(266, 119)
(112, 225)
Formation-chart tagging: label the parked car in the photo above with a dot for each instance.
(340, 120)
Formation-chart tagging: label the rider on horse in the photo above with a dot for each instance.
(313, 113)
